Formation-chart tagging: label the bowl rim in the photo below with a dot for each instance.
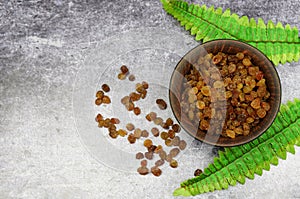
(257, 51)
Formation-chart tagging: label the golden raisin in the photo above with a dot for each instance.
(174, 163)
(206, 90)
(204, 125)
(148, 143)
(100, 94)
(134, 96)
(164, 135)
(98, 101)
(122, 132)
(158, 121)
(240, 55)
(137, 110)
(137, 133)
(255, 103)
(247, 62)
(218, 84)
(121, 76)
(131, 138)
(106, 100)
(168, 142)
(261, 113)
(200, 105)
(230, 133)
(266, 106)
(169, 122)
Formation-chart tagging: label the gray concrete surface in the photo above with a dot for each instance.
(43, 45)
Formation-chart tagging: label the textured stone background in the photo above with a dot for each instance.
(42, 46)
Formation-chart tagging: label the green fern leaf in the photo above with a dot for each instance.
(238, 162)
(280, 44)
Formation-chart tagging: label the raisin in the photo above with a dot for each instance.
(124, 69)
(105, 88)
(139, 155)
(161, 104)
(198, 172)
(156, 171)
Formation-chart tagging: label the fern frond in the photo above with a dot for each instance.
(236, 163)
(280, 44)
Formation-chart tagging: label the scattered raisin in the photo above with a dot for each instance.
(176, 128)
(173, 163)
(131, 77)
(122, 132)
(143, 170)
(130, 127)
(144, 162)
(106, 100)
(174, 152)
(115, 121)
(155, 132)
(131, 138)
(156, 171)
(161, 104)
(121, 76)
(100, 94)
(198, 172)
(105, 88)
(149, 155)
(145, 133)
(98, 101)
(139, 155)
(148, 143)
(182, 144)
(137, 110)
(124, 69)
(159, 162)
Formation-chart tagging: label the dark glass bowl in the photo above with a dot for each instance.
(228, 47)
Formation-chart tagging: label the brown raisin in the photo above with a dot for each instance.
(156, 171)
(105, 88)
(124, 69)
(139, 155)
(130, 127)
(155, 132)
(161, 104)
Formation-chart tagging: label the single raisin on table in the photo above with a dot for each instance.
(173, 163)
(161, 104)
(143, 170)
(130, 127)
(197, 172)
(105, 88)
(131, 77)
(156, 171)
(139, 155)
(124, 69)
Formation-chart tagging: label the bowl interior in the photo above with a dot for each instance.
(228, 47)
